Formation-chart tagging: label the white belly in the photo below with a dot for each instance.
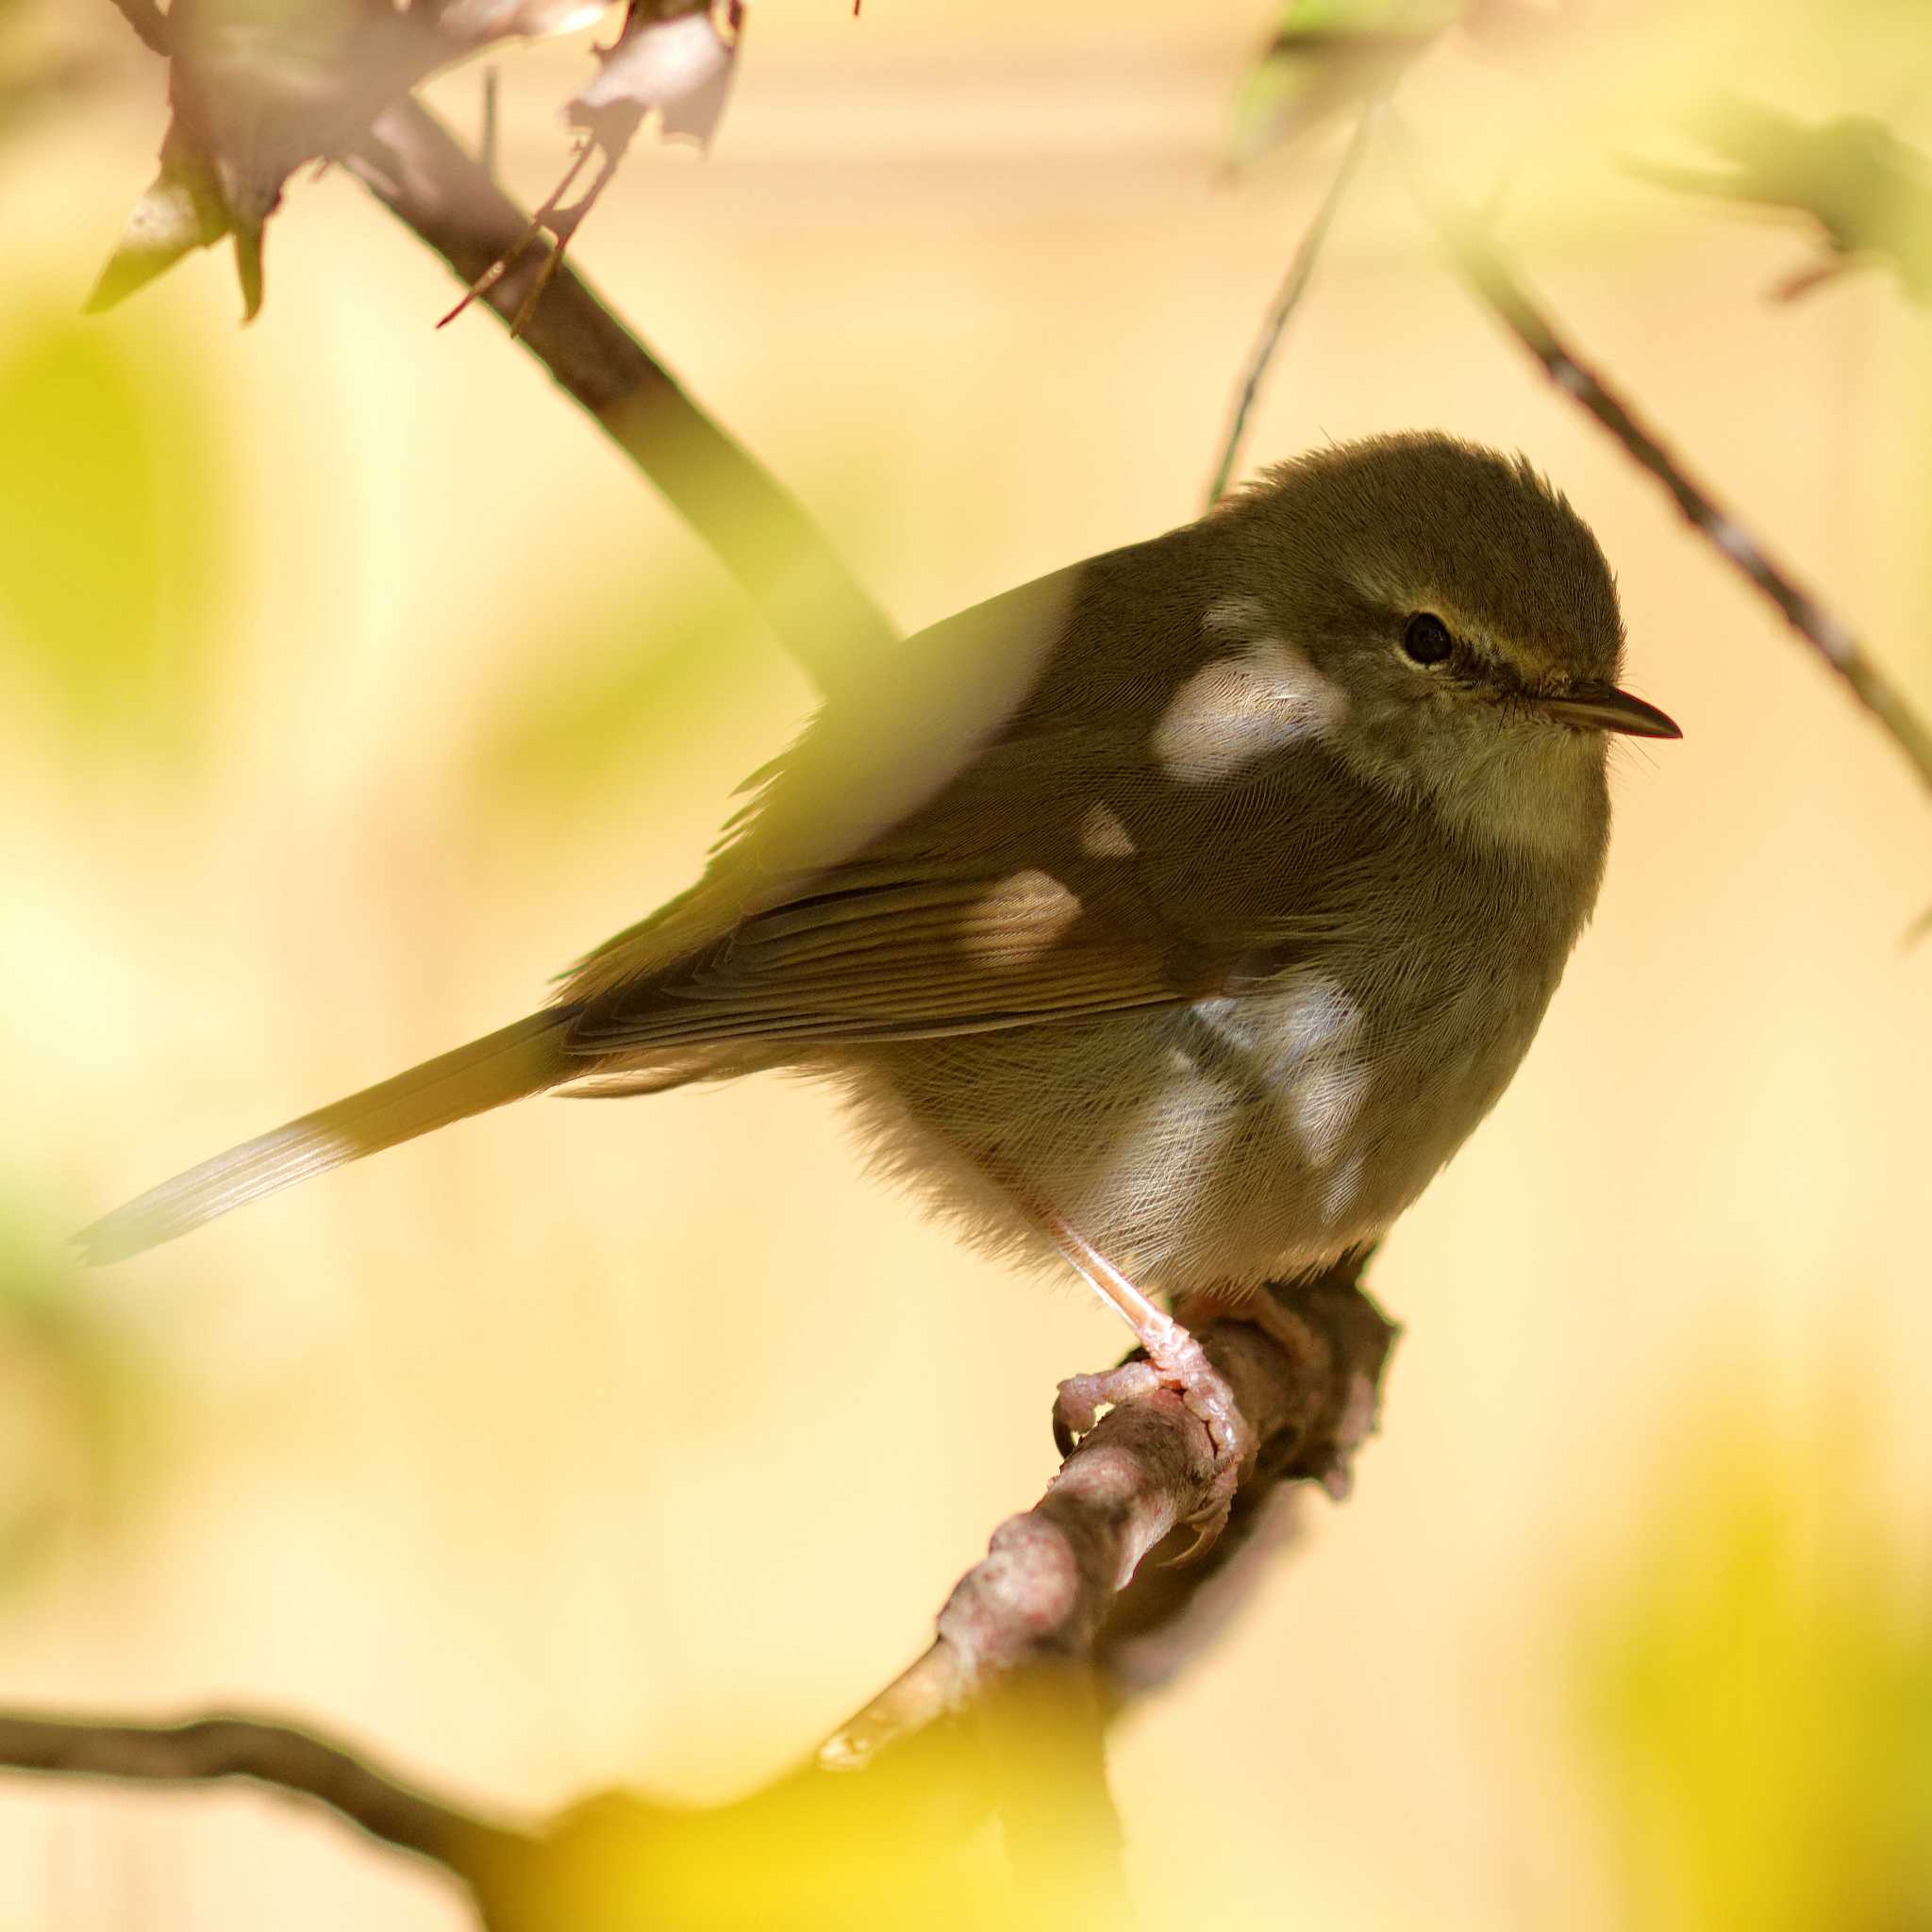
(1218, 1145)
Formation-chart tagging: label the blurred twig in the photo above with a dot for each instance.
(148, 22)
(1492, 278)
(756, 528)
(209, 1749)
(1288, 298)
(1039, 1645)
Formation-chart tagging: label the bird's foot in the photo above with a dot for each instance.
(1174, 1360)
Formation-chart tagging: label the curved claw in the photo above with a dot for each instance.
(1187, 1372)
(1081, 1398)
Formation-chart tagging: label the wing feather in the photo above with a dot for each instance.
(898, 962)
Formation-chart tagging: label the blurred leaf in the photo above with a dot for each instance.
(674, 58)
(618, 689)
(897, 1847)
(260, 86)
(1326, 57)
(80, 1414)
(109, 556)
(1763, 1696)
(1869, 193)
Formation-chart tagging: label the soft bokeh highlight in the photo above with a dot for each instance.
(360, 688)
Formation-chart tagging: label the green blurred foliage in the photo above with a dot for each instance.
(82, 1411)
(111, 551)
(902, 1844)
(1761, 1696)
(1325, 57)
(1651, 71)
(1868, 192)
(617, 688)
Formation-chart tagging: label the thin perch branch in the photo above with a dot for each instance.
(756, 527)
(210, 1748)
(1491, 275)
(1039, 1644)
(1286, 300)
(1304, 1367)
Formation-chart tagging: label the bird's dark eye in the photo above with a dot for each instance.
(1425, 639)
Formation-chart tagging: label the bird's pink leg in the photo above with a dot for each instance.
(1174, 1360)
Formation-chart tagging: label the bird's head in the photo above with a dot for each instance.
(1463, 620)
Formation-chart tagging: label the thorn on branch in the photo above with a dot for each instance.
(553, 217)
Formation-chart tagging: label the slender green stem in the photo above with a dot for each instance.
(1493, 278)
(1288, 298)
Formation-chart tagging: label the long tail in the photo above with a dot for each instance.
(505, 1065)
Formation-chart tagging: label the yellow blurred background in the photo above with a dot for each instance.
(350, 687)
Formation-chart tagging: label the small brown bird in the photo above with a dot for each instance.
(1178, 914)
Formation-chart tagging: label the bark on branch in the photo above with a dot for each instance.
(1071, 1615)
(757, 529)
(1304, 1367)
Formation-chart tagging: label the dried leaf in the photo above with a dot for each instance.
(674, 58)
(495, 19)
(262, 87)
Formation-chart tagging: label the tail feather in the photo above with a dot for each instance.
(506, 1065)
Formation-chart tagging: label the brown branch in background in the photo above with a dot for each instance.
(1486, 271)
(756, 528)
(209, 1749)
(1069, 1616)
(1288, 298)
(148, 22)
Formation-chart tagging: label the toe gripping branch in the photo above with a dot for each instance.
(1299, 1368)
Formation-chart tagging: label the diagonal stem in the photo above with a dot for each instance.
(148, 22)
(1492, 278)
(757, 529)
(211, 1748)
(1288, 298)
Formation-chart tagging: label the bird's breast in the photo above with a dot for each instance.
(1244, 1136)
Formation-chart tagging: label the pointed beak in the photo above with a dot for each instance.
(1604, 708)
